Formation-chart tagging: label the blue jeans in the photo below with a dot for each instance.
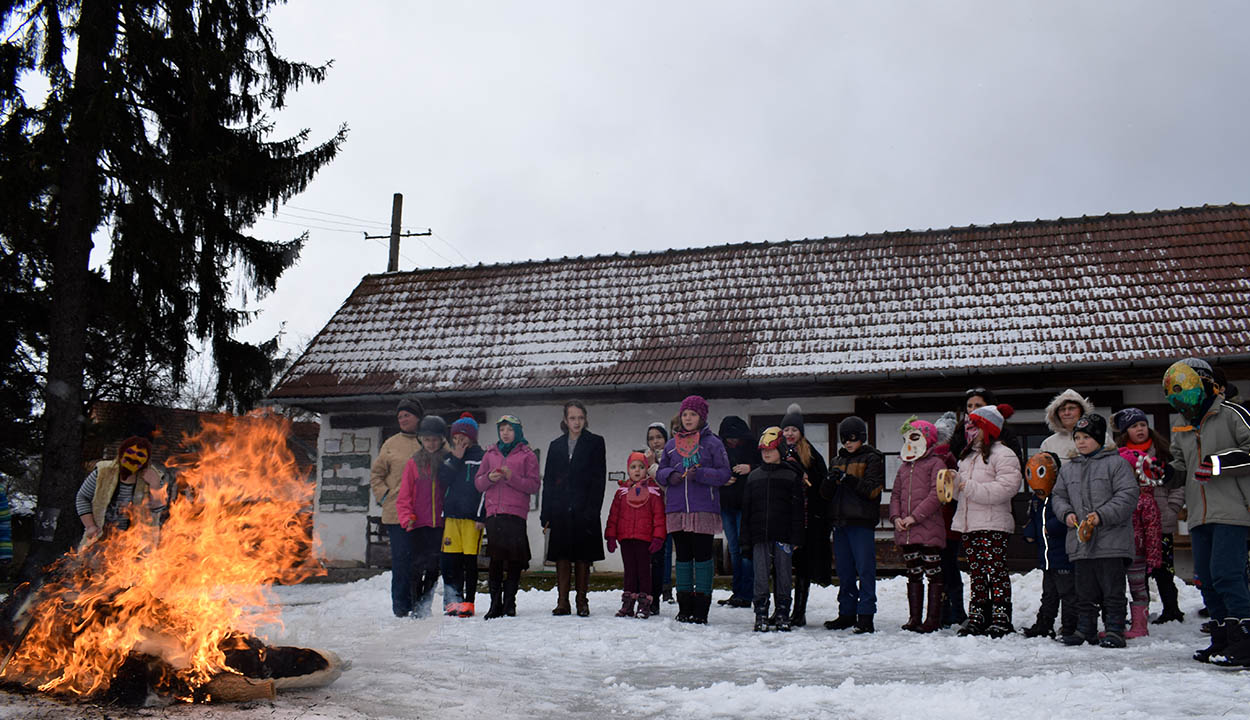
(1220, 564)
(401, 569)
(740, 562)
(855, 554)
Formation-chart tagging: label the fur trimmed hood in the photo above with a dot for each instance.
(1052, 410)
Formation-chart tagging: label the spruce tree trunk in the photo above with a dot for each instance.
(78, 215)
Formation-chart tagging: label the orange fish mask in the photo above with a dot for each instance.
(1041, 472)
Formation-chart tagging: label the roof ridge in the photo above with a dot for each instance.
(954, 229)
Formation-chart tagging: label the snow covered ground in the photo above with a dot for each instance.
(536, 665)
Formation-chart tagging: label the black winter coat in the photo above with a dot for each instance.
(572, 501)
(747, 453)
(854, 487)
(772, 506)
(461, 498)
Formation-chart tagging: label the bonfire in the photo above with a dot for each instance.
(176, 607)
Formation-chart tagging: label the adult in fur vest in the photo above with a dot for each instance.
(574, 482)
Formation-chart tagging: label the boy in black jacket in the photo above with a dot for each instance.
(853, 486)
(464, 517)
(772, 523)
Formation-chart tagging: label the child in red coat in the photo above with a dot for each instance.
(637, 521)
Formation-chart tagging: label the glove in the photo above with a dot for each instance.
(836, 475)
(1203, 473)
(611, 545)
(655, 545)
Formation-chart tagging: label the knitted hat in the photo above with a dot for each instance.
(697, 404)
(770, 439)
(662, 427)
(1093, 425)
(946, 427)
(432, 426)
(990, 419)
(638, 456)
(793, 417)
(1127, 418)
(465, 425)
(412, 405)
(853, 428)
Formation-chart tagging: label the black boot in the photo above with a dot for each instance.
(496, 600)
(702, 604)
(761, 622)
(685, 607)
(863, 625)
(798, 616)
(842, 622)
(511, 582)
(978, 620)
(1167, 595)
(1219, 641)
(1000, 620)
(1237, 651)
(915, 604)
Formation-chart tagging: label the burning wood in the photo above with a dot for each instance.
(174, 606)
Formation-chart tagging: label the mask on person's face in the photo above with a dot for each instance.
(914, 446)
(133, 458)
(1184, 389)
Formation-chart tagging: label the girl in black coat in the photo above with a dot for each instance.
(813, 560)
(574, 481)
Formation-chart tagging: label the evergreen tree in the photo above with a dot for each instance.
(157, 137)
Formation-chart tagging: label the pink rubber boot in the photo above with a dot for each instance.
(1141, 624)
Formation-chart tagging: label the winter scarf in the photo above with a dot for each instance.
(687, 446)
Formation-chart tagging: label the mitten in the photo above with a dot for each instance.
(1203, 473)
(611, 545)
(655, 545)
(836, 475)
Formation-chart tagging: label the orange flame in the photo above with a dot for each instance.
(180, 591)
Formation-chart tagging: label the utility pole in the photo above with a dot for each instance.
(397, 211)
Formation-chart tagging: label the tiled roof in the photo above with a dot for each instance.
(992, 299)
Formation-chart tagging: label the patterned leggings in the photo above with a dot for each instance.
(987, 566)
(922, 561)
(1138, 590)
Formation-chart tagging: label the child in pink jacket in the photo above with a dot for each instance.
(989, 477)
(919, 526)
(507, 477)
(637, 521)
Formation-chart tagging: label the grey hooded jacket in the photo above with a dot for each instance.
(1103, 483)
(1223, 438)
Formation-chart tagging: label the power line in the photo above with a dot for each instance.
(339, 215)
(453, 247)
(315, 227)
(355, 225)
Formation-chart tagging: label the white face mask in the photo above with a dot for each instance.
(914, 446)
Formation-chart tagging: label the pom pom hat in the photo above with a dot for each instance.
(991, 418)
(793, 417)
(697, 404)
(465, 425)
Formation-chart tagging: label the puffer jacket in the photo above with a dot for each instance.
(461, 498)
(387, 472)
(696, 490)
(1061, 442)
(915, 494)
(510, 496)
(985, 501)
(1049, 534)
(853, 487)
(1105, 484)
(420, 499)
(772, 508)
(644, 521)
(1224, 431)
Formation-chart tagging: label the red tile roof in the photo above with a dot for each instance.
(991, 299)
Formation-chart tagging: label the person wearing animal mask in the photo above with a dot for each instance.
(121, 490)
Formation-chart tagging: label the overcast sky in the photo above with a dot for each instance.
(520, 130)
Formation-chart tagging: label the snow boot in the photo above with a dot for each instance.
(783, 623)
(915, 605)
(564, 580)
(702, 603)
(511, 583)
(685, 607)
(933, 618)
(953, 606)
(627, 605)
(1237, 652)
(842, 622)
(863, 625)
(582, 573)
(798, 617)
(1219, 641)
(466, 610)
(1039, 629)
(761, 622)
(496, 601)
(1171, 609)
(668, 595)
(452, 609)
(644, 607)
(978, 620)
(655, 604)
(1000, 620)
(1140, 626)
(1112, 639)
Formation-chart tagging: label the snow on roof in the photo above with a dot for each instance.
(1145, 287)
